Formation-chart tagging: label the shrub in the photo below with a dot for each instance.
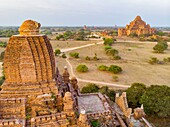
(57, 52)
(107, 47)
(112, 52)
(160, 47)
(82, 68)
(102, 68)
(153, 60)
(166, 60)
(115, 69)
(87, 58)
(74, 55)
(160, 33)
(116, 57)
(95, 57)
(59, 37)
(108, 41)
(164, 43)
(90, 88)
(104, 89)
(64, 55)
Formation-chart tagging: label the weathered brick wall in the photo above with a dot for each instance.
(12, 108)
(12, 123)
(59, 119)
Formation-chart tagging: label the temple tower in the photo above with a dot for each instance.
(29, 64)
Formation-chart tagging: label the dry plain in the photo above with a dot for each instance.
(134, 62)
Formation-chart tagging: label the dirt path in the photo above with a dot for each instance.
(91, 81)
(79, 47)
(84, 80)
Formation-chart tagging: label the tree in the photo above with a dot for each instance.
(74, 54)
(82, 68)
(109, 92)
(160, 47)
(90, 88)
(57, 52)
(108, 41)
(115, 69)
(160, 33)
(156, 101)
(104, 89)
(134, 94)
(154, 60)
(111, 52)
(95, 57)
(107, 47)
(102, 68)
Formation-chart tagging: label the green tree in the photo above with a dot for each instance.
(156, 101)
(160, 47)
(82, 68)
(102, 68)
(90, 88)
(104, 90)
(74, 54)
(57, 52)
(134, 94)
(112, 52)
(160, 33)
(107, 47)
(108, 41)
(153, 60)
(59, 37)
(109, 92)
(115, 69)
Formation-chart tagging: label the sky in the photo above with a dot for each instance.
(84, 12)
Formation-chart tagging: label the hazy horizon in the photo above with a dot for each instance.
(81, 12)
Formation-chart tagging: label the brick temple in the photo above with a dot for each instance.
(34, 93)
(138, 27)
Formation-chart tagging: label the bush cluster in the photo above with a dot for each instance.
(112, 68)
(57, 52)
(108, 41)
(92, 58)
(74, 54)
(112, 52)
(160, 47)
(154, 60)
(82, 68)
